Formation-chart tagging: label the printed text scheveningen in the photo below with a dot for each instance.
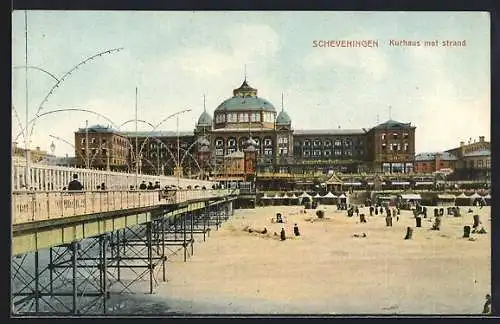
(345, 43)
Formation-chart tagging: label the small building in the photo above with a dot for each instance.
(408, 200)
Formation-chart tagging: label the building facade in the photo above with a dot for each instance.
(247, 125)
(473, 160)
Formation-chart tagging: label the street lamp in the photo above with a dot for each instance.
(52, 148)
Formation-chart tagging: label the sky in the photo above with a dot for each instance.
(174, 58)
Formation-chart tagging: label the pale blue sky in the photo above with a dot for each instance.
(175, 57)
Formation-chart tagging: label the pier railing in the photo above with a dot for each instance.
(39, 205)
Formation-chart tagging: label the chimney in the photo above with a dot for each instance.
(462, 143)
(481, 139)
(38, 148)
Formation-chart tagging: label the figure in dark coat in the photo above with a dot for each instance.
(282, 234)
(75, 183)
(296, 230)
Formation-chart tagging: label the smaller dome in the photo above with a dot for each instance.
(204, 149)
(283, 118)
(250, 148)
(203, 141)
(204, 120)
(251, 142)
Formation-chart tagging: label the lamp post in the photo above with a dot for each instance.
(87, 162)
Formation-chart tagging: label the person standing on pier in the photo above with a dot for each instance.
(75, 184)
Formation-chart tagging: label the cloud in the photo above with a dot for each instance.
(440, 102)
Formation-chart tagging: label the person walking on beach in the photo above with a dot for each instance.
(296, 230)
(282, 234)
(487, 305)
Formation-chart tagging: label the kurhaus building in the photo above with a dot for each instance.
(249, 126)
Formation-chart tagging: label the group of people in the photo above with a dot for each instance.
(296, 232)
(149, 186)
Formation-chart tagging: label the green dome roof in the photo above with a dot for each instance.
(283, 118)
(245, 98)
(245, 103)
(204, 120)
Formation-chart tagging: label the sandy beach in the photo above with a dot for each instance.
(329, 271)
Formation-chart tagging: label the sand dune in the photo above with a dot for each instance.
(327, 270)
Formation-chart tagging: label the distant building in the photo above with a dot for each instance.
(246, 125)
(473, 160)
(36, 155)
(435, 161)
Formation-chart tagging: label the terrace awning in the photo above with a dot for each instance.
(411, 196)
(400, 183)
(317, 195)
(352, 183)
(462, 196)
(475, 196)
(424, 183)
(277, 196)
(488, 196)
(305, 195)
(330, 195)
(446, 197)
(342, 196)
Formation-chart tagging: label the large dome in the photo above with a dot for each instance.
(245, 99)
(245, 103)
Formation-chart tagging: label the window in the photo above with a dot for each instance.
(397, 167)
(395, 135)
(306, 153)
(406, 147)
(93, 140)
(384, 146)
(327, 153)
(338, 152)
(83, 140)
(338, 143)
(317, 153)
(243, 117)
(257, 142)
(231, 142)
(480, 163)
(219, 151)
(283, 151)
(283, 140)
(317, 143)
(268, 151)
(255, 117)
(348, 153)
(488, 163)
(328, 143)
(268, 142)
(409, 167)
(348, 143)
(219, 118)
(307, 143)
(383, 137)
(405, 135)
(219, 142)
(386, 167)
(230, 150)
(394, 147)
(103, 141)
